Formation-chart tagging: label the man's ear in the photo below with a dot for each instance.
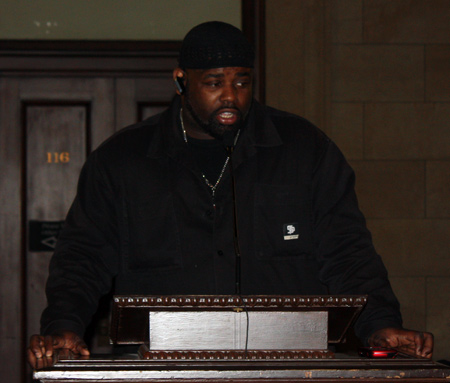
(179, 79)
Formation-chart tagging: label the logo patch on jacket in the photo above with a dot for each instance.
(290, 231)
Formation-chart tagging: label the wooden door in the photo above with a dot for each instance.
(48, 126)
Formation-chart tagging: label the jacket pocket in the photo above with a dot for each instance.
(154, 235)
(283, 222)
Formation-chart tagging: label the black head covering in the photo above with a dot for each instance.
(215, 44)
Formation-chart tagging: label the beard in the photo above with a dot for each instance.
(212, 126)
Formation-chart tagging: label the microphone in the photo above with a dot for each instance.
(229, 141)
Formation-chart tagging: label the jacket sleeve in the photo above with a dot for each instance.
(348, 261)
(85, 259)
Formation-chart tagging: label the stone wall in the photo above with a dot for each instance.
(387, 105)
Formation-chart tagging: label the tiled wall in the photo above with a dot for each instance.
(390, 93)
(389, 111)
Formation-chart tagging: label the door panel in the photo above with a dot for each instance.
(140, 98)
(56, 146)
(47, 127)
(62, 120)
(96, 93)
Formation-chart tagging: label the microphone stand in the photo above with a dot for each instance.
(228, 141)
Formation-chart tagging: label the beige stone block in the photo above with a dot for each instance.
(390, 189)
(438, 315)
(285, 63)
(411, 293)
(407, 131)
(413, 248)
(377, 73)
(346, 21)
(438, 189)
(347, 129)
(437, 74)
(297, 67)
(407, 21)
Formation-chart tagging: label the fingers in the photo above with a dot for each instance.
(37, 346)
(31, 357)
(424, 344)
(416, 343)
(381, 338)
(43, 362)
(81, 348)
(49, 342)
(74, 343)
(408, 349)
(38, 363)
(380, 342)
(40, 348)
(410, 342)
(427, 350)
(419, 340)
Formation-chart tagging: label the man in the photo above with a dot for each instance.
(154, 213)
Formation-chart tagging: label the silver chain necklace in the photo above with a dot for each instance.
(212, 187)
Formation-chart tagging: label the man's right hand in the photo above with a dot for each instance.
(43, 346)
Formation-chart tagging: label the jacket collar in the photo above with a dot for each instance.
(168, 139)
(260, 129)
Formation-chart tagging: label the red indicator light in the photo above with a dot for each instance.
(377, 352)
(380, 354)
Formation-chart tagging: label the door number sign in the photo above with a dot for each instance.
(58, 157)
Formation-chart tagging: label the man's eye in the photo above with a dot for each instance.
(213, 84)
(243, 84)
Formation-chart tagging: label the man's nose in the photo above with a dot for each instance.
(228, 93)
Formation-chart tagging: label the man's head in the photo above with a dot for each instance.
(216, 73)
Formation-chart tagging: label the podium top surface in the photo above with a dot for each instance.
(130, 317)
(343, 369)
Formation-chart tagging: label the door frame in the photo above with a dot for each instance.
(32, 57)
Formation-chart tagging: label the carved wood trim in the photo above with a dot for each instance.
(233, 355)
(229, 302)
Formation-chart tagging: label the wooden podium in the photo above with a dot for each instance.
(233, 327)
(235, 339)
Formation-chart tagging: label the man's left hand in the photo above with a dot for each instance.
(410, 342)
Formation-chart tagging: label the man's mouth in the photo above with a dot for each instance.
(228, 117)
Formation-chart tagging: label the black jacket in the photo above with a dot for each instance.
(144, 217)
